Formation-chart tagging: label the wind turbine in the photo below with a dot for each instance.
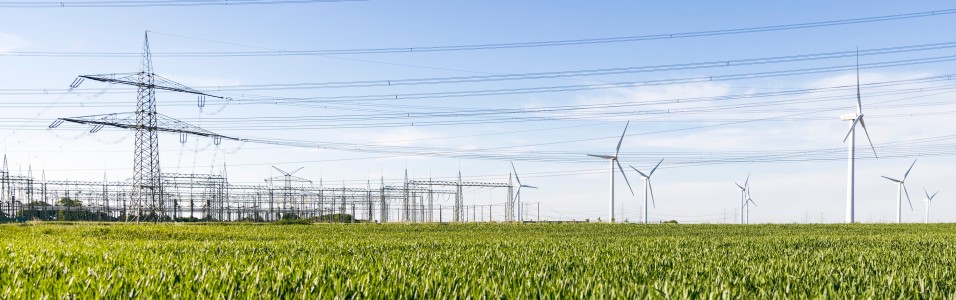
(928, 200)
(518, 193)
(901, 188)
(856, 117)
(647, 186)
(614, 161)
(743, 196)
(747, 206)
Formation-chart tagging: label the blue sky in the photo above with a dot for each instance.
(785, 191)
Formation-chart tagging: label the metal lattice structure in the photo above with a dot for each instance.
(147, 196)
(458, 214)
(210, 197)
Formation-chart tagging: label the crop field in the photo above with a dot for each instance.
(568, 261)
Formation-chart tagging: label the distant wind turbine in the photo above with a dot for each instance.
(614, 161)
(928, 200)
(901, 188)
(648, 190)
(747, 206)
(856, 117)
(743, 196)
(518, 193)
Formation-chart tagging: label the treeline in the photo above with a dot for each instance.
(68, 209)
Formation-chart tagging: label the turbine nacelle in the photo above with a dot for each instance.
(848, 117)
(647, 181)
(751, 201)
(929, 198)
(902, 183)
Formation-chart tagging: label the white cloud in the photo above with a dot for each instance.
(10, 42)
(649, 94)
(404, 136)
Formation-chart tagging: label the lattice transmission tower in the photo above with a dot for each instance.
(288, 194)
(147, 123)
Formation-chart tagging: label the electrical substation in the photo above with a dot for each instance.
(153, 196)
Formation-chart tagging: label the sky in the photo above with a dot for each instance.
(732, 119)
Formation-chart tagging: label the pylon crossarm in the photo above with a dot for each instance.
(289, 178)
(159, 83)
(128, 121)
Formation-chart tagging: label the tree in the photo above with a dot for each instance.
(67, 202)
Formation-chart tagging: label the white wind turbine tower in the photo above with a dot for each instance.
(647, 187)
(518, 193)
(856, 117)
(900, 189)
(928, 200)
(614, 161)
(743, 196)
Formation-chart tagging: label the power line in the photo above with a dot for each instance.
(592, 72)
(586, 87)
(419, 49)
(153, 3)
(599, 111)
(553, 74)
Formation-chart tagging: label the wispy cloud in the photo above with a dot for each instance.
(10, 42)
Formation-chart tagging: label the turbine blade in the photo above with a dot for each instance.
(738, 185)
(908, 170)
(752, 201)
(651, 188)
(859, 101)
(926, 193)
(530, 187)
(601, 156)
(280, 170)
(891, 179)
(296, 170)
(747, 182)
(655, 168)
(625, 177)
(618, 150)
(852, 127)
(516, 173)
(867, 133)
(907, 195)
(638, 171)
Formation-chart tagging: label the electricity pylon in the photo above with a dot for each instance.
(147, 190)
(288, 197)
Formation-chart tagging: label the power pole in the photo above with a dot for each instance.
(147, 123)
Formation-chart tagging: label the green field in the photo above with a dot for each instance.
(568, 261)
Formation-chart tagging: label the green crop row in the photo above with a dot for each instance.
(570, 261)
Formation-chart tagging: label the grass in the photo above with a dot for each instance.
(86, 260)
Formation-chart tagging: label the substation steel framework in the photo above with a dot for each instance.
(458, 214)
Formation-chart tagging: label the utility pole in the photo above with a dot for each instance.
(147, 123)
